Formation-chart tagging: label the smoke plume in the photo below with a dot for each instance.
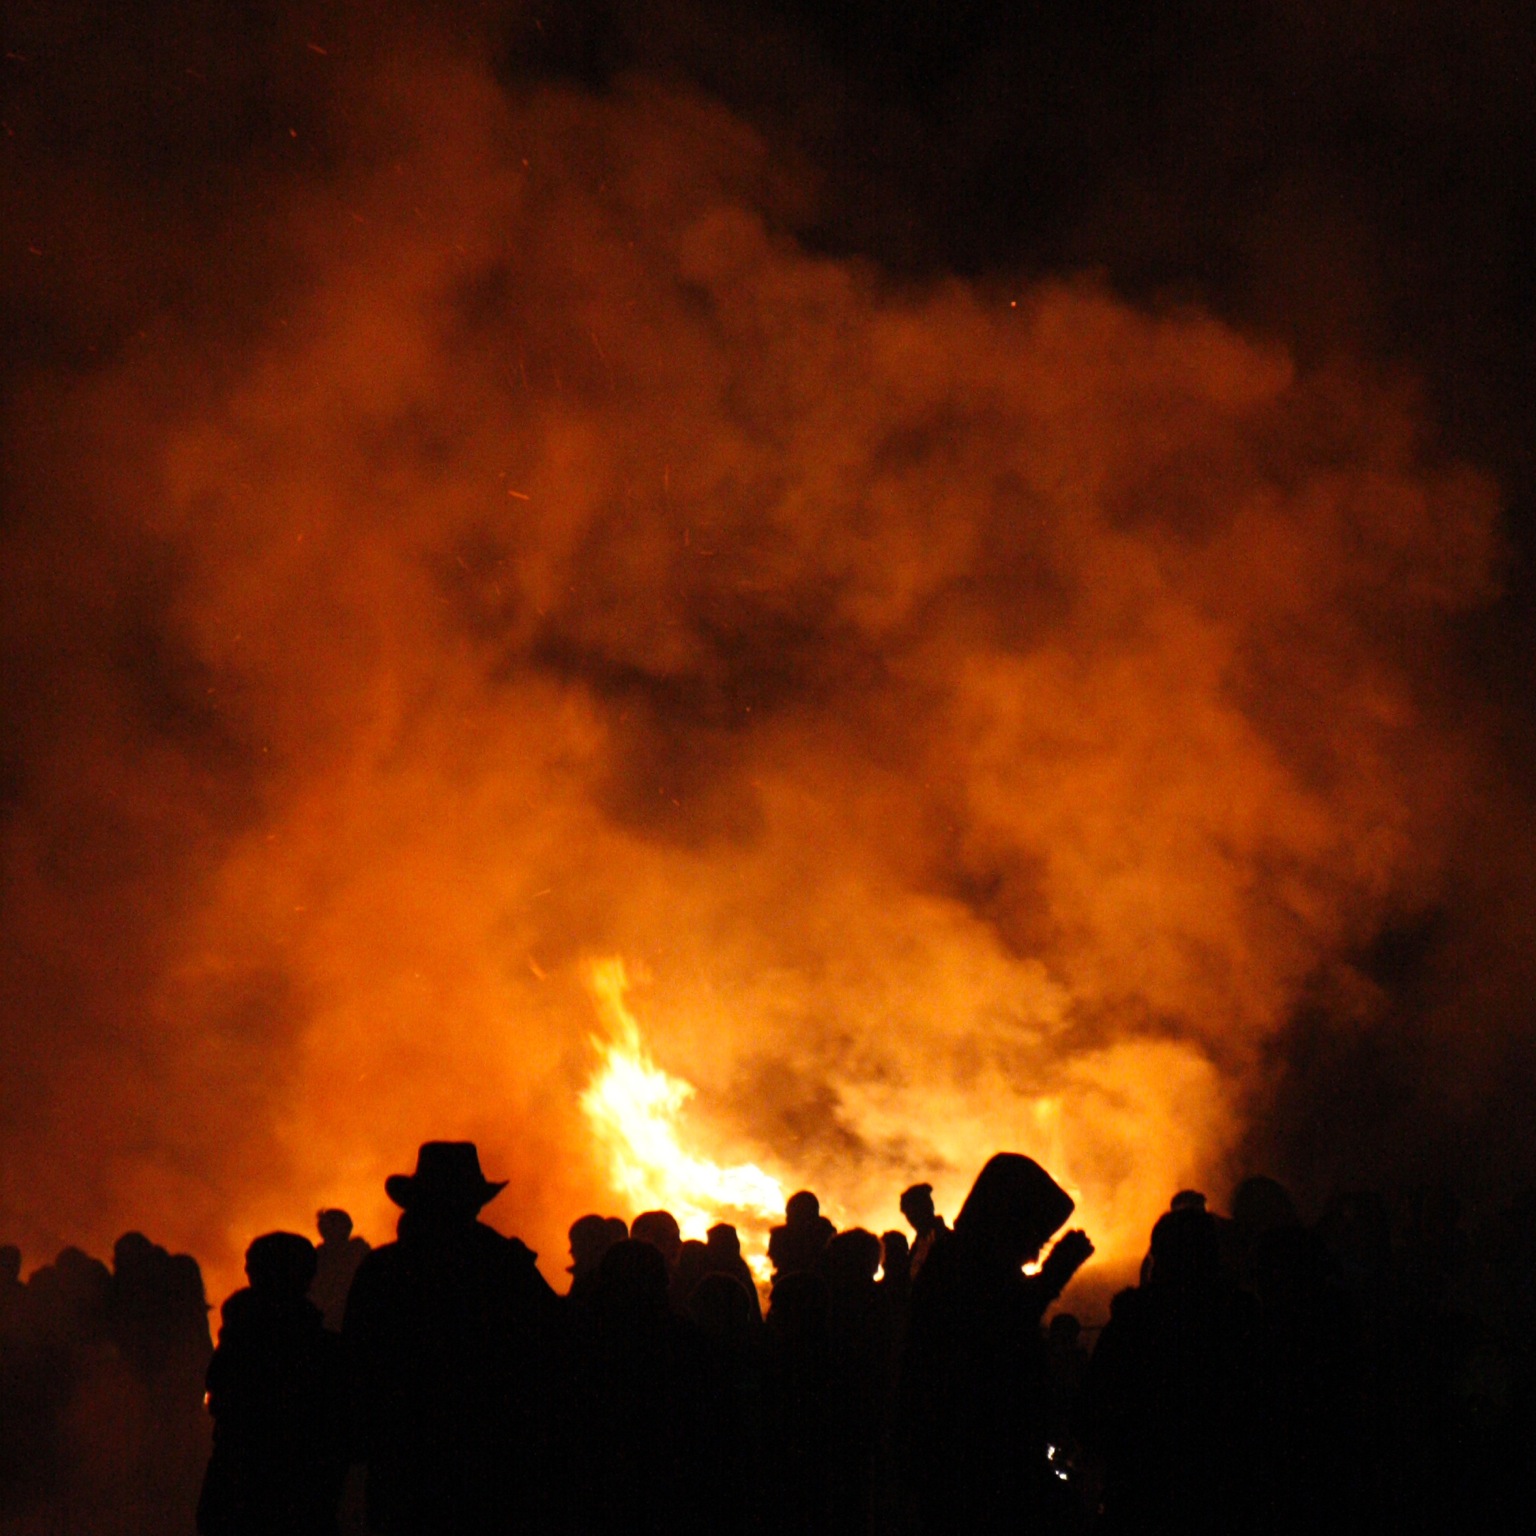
(471, 537)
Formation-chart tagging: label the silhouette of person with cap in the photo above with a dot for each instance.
(275, 1391)
(449, 1331)
(975, 1392)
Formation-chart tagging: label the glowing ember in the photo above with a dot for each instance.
(635, 1108)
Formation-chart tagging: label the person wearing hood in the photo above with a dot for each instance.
(974, 1392)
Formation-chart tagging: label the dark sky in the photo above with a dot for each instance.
(1351, 179)
(1348, 176)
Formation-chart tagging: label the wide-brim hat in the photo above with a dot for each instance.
(447, 1174)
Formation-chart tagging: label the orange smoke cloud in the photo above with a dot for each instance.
(976, 717)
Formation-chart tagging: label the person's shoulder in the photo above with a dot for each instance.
(376, 1266)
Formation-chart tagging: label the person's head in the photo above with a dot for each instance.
(334, 1226)
(134, 1254)
(590, 1239)
(1260, 1204)
(1012, 1211)
(693, 1263)
(1188, 1200)
(797, 1308)
(82, 1282)
(917, 1207)
(10, 1263)
(895, 1253)
(723, 1241)
(1065, 1330)
(660, 1230)
(618, 1229)
(280, 1264)
(725, 1312)
(633, 1276)
(853, 1257)
(447, 1185)
(801, 1208)
(1186, 1251)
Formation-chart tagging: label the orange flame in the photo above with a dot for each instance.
(635, 1109)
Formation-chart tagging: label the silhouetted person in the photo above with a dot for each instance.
(56, 1344)
(69, 1301)
(22, 1397)
(730, 1321)
(1173, 1386)
(11, 1288)
(797, 1369)
(1424, 1355)
(859, 1379)
(158, 1314)
(796, 1247)
(590, 1238)
(275, 1391)
(1312, 1372)
(975, 1392)
(336, 1261)
(728, 1314)
(692, 1266)
(449, 1330)
(660, 1230)
(722, 1246)
(1193, 1200)
(896, 1277)
(643, 1432)
(1511, 1253)
(927, 1225)
(1259, 1205)
(1067, 1368)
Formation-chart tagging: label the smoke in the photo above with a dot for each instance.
(457, 533)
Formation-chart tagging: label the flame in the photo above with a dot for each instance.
(635, 1108)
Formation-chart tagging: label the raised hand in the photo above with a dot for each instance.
(1066, 1258)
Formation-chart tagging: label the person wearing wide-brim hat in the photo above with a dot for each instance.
(450, 1329)
(447, 1178)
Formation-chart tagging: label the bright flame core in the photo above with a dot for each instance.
(634, 1107)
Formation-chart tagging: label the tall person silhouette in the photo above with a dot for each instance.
(975, 1387)
(449, 1331)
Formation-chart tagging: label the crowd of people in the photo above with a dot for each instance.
(1265, 1375)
